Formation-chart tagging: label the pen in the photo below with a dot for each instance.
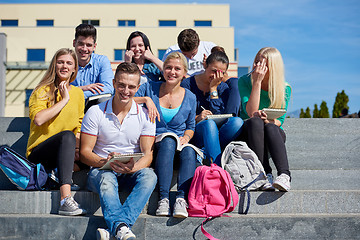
(251, 71)
(202, 108)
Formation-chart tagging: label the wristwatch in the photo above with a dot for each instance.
(214, 94)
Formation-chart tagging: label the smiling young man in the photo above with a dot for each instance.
(193, 49)
(119, 125)
(95, 74)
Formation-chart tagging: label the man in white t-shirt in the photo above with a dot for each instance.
(119, 126)
(193, 49)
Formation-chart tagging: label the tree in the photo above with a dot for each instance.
(324, 111)
(302, 113)
(307, 113)
(316, 111)
(340, 103)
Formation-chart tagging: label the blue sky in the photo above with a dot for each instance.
(319, 41)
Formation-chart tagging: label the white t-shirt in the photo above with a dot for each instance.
(196, 63)
(113, 136)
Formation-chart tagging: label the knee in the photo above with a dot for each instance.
(209, 126)
(188, 154)
(255, 124)
(147, 177)
(68, 137)
(169, 142)
(235, 122)
(102, 181)
(271, 128)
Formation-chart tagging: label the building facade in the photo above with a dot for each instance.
(34, 32)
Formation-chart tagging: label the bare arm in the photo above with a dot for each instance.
(258, 75)
(153, 112)
(149, 56)
(188, 134)
(87, 156)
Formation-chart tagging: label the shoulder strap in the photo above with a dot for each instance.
(233, 197)
(208, 235)
(37, 169)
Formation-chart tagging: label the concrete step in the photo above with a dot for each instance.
(293, 202)
(237, 227)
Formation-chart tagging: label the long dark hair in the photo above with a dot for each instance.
(144, 38)
(218, 56)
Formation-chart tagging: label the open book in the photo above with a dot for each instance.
(218, 118)
(179, 146)
(122, 158)
(96, 99)
(273, 113)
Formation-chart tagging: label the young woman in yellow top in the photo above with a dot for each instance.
(56, 110)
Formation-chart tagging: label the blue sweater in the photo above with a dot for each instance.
(216, 106)
(184, 118)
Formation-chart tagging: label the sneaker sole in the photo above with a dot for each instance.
(75, 213)
(102, 235)
(163, 214)
(281, 187)
(180, 215)
(129, 238)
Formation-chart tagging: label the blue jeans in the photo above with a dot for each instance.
(106, 184)
(164, 165)
(214, 140)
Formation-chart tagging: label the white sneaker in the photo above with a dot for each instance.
(282, 182)
(163, 208)
(180, 208)
(124, 233)
(268, 186)
(71, 208)
(104, 234)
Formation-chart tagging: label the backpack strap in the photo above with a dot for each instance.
(245, 188)
(37, 169)
(208, 235)
(233, 197)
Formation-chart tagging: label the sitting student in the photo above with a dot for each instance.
(56, 110)
(265, 87)
(119, 125)
(212, 98)
(193, 49)
(138, 51)
(177, 107)
(232, 82)
(95, 74)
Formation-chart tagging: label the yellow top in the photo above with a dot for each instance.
(69, 118)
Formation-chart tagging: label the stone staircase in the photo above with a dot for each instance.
(324, 202)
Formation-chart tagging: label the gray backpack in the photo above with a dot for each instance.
(243, 166)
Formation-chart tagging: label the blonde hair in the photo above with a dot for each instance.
(177, 55)
(276, 83)
(50, 77)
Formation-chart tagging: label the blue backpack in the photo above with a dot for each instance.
(24, 174)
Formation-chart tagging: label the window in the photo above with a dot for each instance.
(119, 54)
(161, 53)
(236, 54)
(45, 23)
(36, 55)
(92, 22)
(243, 70)
(203, 23)
(126, 23)
(9, 22)
(167, 23)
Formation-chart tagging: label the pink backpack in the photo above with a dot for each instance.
(212, 193)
